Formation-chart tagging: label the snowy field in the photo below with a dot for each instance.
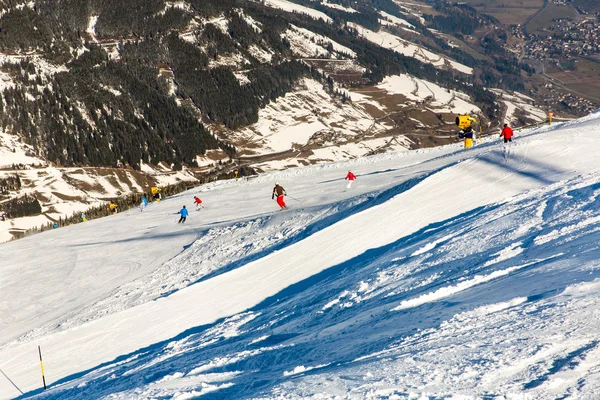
(307, 112)
(409, 49)
(440, 99)
(518, 102)
(442, 273)
(289, 6)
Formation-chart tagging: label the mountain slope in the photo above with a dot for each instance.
(103, 83)
(426, 279)
(170, 86)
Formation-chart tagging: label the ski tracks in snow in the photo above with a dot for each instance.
(208, 255)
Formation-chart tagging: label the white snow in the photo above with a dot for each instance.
(110, 89)
(41, 64)
(290, 121)
(409, 49)
(301, 369)
(309, 44)
(448, 291)
(235, 59)
(393, 20)
(260, 54)
(437, 99)
(91, 28)
(442, 273)
(251, 21)
(13, 152)
(242, 77)
(174, 4)
(211, 157)
(220, 22)
(359, 149)
(516, 101)
(339, 7)
(297, 8)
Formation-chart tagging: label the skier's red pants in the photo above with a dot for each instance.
(280, 201)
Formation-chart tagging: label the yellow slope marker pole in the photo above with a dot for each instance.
(42, 365)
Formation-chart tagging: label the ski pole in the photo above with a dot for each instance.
(11, 381)
(291, 197)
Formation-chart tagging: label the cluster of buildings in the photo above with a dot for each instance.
(579, 104)
(567, 38)
(562, 44)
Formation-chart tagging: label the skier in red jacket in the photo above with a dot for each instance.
(198, 203)
(350, 178)
(507, 133)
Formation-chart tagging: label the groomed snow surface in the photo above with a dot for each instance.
(442, 273)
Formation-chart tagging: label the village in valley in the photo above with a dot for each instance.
(564, 49)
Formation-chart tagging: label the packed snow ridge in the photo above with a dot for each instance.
(441, 273)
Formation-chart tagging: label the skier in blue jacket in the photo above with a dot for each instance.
(184, 214)
(144, 203)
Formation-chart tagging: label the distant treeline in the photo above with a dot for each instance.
(10, 184)
(20, 207)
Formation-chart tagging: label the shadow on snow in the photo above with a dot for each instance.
(300, 327)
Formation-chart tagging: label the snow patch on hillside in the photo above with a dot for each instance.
(309, 44)
(250, 20)
(175, 4)
(231, 60)
(91, 28)
(359, 149)
(110, 89)
(438, 98)
(260, 54)
(518, 104)
(339, 7)
(211, 157)
(42, 66)
(6, 82)
(294, 119)
(14, 152)
(409, 49)
(220, 22)
(389, 19)
(297, 8)
(416, 91)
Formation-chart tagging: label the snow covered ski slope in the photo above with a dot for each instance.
(441, 272)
